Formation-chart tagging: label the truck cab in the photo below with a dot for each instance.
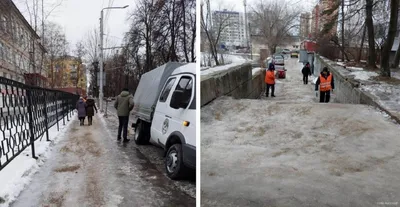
(173, 125)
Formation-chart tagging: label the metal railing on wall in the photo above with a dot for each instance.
(27, 114)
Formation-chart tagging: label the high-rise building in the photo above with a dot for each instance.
(231, 26)
(321, 19)
(305, 25)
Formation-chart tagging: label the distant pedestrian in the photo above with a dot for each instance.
(270, 80)
(306, 72)
(81, 108)
(326, 84)
(90, 109)
(123, 104)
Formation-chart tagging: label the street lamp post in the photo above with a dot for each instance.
(101, 54)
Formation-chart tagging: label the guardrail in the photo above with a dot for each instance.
(27, 113)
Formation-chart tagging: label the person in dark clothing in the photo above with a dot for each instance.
(326, 84)
(123, 104)
(81, 108)
(270, 80)
(306, 72)
(90, 109)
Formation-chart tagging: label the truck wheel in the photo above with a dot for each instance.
(174, 165)
(142, 136)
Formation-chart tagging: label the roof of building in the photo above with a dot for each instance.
(15, 8)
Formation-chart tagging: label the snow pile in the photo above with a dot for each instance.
(18, 173)
(363, 75)
(396, 75)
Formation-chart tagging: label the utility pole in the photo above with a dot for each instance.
(101, 55)
(101, 63)
(246, 24)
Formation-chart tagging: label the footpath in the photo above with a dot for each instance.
(89, 167)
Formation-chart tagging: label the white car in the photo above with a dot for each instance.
(278, 60)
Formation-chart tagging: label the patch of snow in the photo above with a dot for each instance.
(18, 173)
(395, 75)
(355, 68)
(363, 75)
(220, 68)
(206, 58)
(340, 63)
(256, 70)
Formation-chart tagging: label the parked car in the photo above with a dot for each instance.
(285, 51)
(278, 59)
(280, 71)
(294, 54)
(165, 115)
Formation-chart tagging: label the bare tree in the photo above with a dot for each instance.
(274, 20)
(214, 31)
(394, 11)
(55, 43)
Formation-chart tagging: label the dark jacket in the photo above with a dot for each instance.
(124, 103)
(318, 81)
(306, 70)
(81, 107)
(90, 107)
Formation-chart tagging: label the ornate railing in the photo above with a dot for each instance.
(27, 113)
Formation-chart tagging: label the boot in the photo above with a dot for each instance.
(126, 140)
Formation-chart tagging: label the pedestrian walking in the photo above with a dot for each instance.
(270, 80)
(81, 108)
(306, 72)
(123, 104)
(326, 84)
(90, 109)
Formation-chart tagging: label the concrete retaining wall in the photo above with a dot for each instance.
(237, 82)
(347, 89)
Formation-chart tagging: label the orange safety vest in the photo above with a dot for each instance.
(270, 77)
(325, 84)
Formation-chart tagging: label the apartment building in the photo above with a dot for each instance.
(68, 72)
(305, 25)
(233, 25)
(319, 19)
(21, 53)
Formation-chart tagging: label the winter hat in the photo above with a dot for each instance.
(271, 66)
(325, 69)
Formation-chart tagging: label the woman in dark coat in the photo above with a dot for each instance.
(81, 108)
(90, 108)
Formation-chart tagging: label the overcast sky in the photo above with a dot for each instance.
(236, 5)
(77, 17)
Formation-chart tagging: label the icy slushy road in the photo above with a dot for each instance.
(291, 151)
(90, 168)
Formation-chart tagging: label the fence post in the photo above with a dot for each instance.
(68, 108)
(45, 116)
(63, 107)
(32, 135)
(58, 126)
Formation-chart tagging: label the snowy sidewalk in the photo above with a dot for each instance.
(88, 168)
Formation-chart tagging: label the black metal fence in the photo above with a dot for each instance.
(27, 113)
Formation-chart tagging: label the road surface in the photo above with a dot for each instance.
(90, 168)
(291, 151)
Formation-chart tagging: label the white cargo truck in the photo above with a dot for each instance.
(165, 115)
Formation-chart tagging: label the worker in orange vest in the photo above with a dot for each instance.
(270, 80)
(326, 84)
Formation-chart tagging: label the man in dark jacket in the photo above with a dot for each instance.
(306, 72)
(90, 108)
(326, 84)
(123, 104)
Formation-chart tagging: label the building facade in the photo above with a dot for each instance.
(232, 27)
(320, 19)
(305, 25)
(68, 72)
(21, 52)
